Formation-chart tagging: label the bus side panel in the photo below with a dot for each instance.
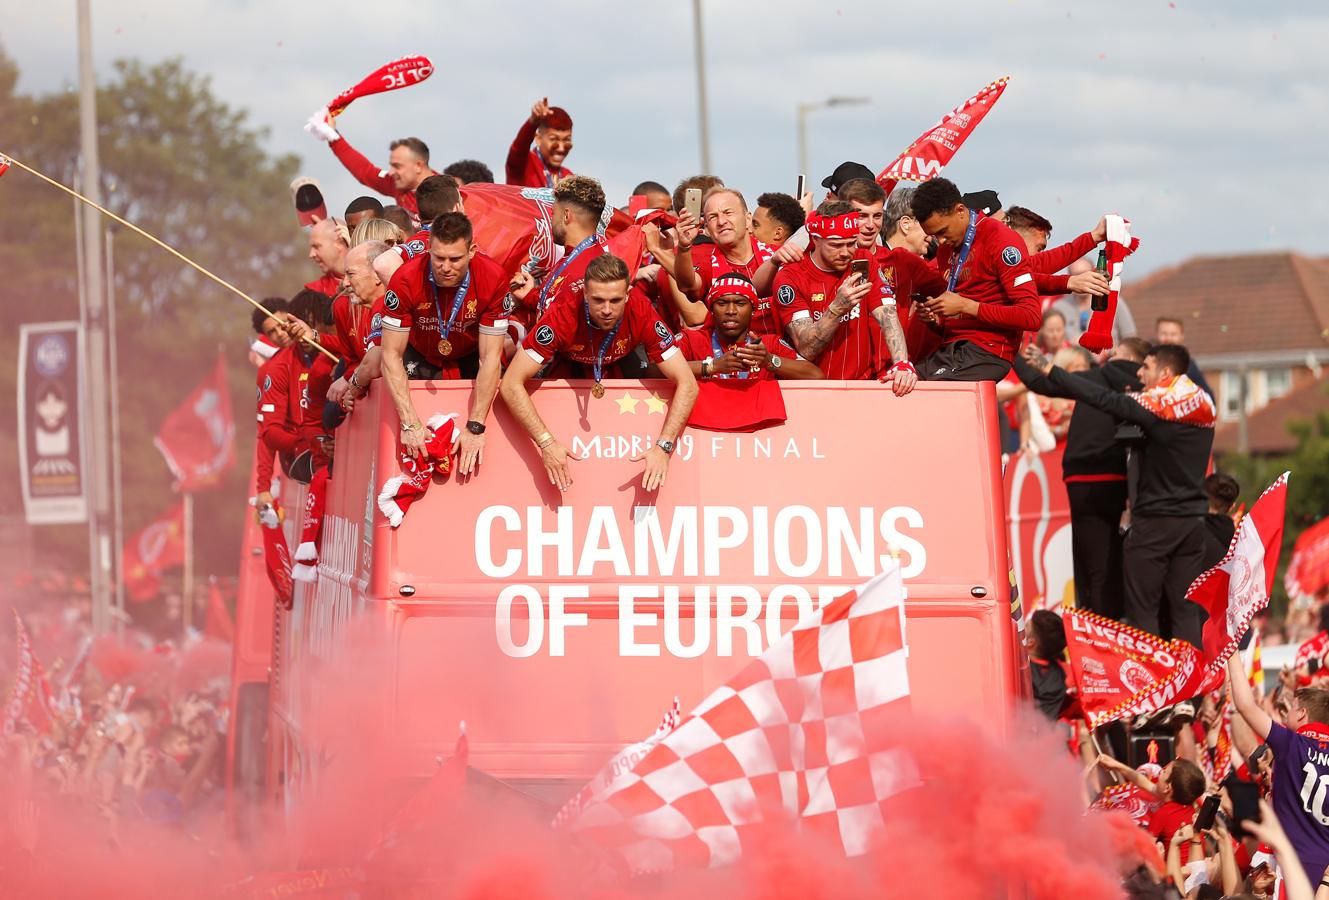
(1039, 514)
(251, 663)
(853, 475)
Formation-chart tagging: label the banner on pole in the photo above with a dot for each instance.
(198, 437)
(50, 438)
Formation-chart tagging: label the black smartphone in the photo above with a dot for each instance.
(1204, 819)
(1313, 665)
(1245, 803)
(860, 267)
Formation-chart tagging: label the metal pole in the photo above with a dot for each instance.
(1243, 434)
(187, 592)
(703, 117)
(803, 139)
(94, 310)
(117, 472)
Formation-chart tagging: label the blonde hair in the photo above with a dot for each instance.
(376, 230)
(1068, 356)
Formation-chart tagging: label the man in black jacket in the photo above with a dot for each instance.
(1094, 469)
(1164, 551)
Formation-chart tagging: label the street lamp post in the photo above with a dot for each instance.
(805, 108)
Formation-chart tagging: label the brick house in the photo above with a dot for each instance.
(1257, 325)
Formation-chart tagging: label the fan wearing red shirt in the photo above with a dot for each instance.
(574, 222)
(990, 301)
(870, 200)
(445, 306)
(327, 248)
(353, 316)
(1043, 262)
(734, 249)
(436, 195)
(839, 322)
(275, 337)
(544, 140)
(408, 163)
(611, 322)
(291, 391)
(727, 348)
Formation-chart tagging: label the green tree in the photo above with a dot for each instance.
(184, 165)
(1308, 488)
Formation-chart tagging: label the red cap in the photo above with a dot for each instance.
(308, 198)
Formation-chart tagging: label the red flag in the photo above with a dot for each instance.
(4, 165)
(511, 224)
(1122, 671)
(927, 156)
(1312, 649)
(738, 404)
(1238, 587)
(393, 76)
(218, 623)
(277, 557)
(30, 696)
(758, 749)
(158, 547)
(1307, 576)
(1129, 798)
(629, 245)
(198, 437)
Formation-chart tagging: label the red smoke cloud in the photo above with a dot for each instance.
(992, 818)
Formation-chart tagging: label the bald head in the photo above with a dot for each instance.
(327, 248)
(360, 274)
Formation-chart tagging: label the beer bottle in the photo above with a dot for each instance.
(1099, 302)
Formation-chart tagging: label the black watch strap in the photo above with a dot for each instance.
(475, 427)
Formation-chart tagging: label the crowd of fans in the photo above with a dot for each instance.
(117, 730)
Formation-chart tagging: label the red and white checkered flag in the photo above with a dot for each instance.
(803, 734)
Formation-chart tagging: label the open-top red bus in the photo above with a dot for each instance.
(559, 627)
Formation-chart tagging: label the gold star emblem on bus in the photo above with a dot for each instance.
(627, 404)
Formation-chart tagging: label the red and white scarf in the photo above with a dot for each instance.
(1178, 399)
(417, 473)
(1119, 245)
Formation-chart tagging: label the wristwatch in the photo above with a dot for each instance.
(775, 362)
(706, 367)
(666, 446)
(475, 427)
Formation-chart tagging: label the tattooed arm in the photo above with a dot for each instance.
(902, 377)
(811, 336)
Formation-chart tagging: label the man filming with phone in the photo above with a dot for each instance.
(824, 302)
(724, 214)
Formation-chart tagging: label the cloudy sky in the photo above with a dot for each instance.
(1204, 121)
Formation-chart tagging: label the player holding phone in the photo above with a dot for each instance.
(824, 305)
(724, 213)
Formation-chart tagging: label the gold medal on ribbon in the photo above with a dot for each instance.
(597, 390)
(444, 347)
